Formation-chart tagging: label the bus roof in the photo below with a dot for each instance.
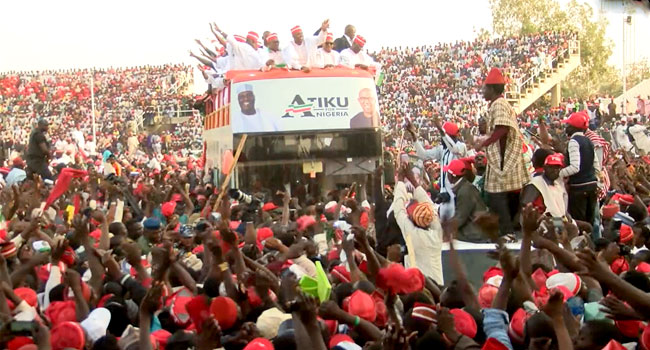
(238, 76)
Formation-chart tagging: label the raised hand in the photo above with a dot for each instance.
(590, 261)
(210, 336)
(151, 301)
(530, 219)
(618, 310)
(554, 308)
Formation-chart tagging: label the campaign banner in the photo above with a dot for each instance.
(301, 104)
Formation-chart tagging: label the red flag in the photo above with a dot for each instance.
(62, 184)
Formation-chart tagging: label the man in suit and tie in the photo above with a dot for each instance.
(345, 41)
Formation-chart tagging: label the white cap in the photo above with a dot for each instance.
(96, 323)
(244, 87)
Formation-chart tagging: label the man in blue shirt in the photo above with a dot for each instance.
(17, 173)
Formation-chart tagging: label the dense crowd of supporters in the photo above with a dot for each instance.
(123, 98)
(119, 249)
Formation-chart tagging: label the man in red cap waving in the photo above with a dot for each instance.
(300, 52)
(581, 170)
(506, 171)
(244, 55)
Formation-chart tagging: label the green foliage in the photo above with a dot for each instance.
(521, 17)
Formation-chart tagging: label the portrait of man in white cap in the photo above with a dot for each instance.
(249, 119)
(368, 117)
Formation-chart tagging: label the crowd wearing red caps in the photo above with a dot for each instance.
(142, 252)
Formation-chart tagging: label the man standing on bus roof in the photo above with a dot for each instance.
(355, 57)
(345, 41)
(300, 52)
(271, 54)
(249, 119)
(368, 116)
(326, 57)
(244, 55)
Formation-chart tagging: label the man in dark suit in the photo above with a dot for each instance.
(345, 41)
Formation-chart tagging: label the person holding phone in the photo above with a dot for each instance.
(546, 192)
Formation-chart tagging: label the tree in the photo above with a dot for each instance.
(522, 17)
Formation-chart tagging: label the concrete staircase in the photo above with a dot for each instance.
(525, 92)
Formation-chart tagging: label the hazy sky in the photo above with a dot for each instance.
(65, 34)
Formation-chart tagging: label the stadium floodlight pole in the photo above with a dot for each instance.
(92, 103)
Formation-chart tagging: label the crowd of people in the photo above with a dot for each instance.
(123, 97)
(117, 249)
(445, 79)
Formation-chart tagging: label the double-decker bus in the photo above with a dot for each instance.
(320, 128)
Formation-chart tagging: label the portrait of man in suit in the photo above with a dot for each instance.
(345, 41)
(368, 117)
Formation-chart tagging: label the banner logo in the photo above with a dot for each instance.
(317, 107)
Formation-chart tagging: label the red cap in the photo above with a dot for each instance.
(626, 234)
(178, 309)
(382, 313)
(614, 345)
(555, 159)
(645, 338)
(224, 310)
(296, 29)
(495, 77)
(259, 344)
(8, 249)
(304, 222)
(168, 208)
(161, 336)
(578, 120)
(253, 36)
(341, 273)
(67, 335)
(362, 305)
(626, 199)
(176, 197)
(491, 272)
(264, 233)
(272, 36)
(465, 323)
(630, 328)
(493, 344)
(396, 279)
(361, 41)
(456, 167)
(486, 294)
(61, 311)
(329, 38)
(18, 161)
(619, 265)
(18, 342)
(426, 312)
(450, 128)
(610, 210)
(643, 267)
(332, 326)
(269, 206)
(337, 338)
(516, 327)
(28, 295)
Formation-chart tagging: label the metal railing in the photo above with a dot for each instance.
(519, 87)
